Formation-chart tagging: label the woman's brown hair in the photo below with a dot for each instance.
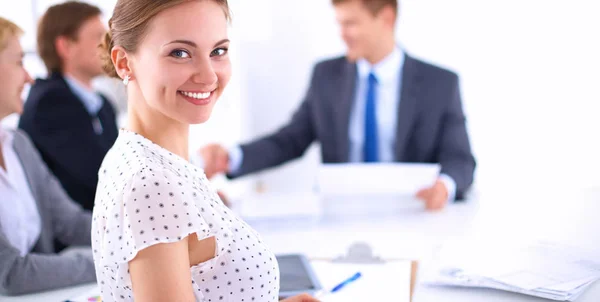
(129, 24)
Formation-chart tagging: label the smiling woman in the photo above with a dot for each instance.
(160, 231)
(170, 52)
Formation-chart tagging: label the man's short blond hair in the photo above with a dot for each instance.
(8, 29)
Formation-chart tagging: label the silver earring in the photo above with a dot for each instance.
(126, 80)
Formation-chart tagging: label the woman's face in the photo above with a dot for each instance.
(13, 78)
(182, 64)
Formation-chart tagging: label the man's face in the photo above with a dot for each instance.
(83, 52)
(360, 29)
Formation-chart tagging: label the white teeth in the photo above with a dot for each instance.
(196, 95)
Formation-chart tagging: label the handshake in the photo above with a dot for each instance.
(216, 159)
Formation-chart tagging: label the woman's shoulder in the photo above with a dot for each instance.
(129, 163)
(133, 154)
(146, 204)
(151, 175)
(136, 168)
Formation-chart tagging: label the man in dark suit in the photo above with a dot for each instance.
(376, 104)
(72, 126)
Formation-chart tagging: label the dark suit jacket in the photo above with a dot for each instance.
(62, 219)
(62, 130)
(430, 128)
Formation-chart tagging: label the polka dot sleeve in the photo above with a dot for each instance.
(157, 207)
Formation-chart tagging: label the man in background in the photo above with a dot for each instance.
(375, 104)
(71, 125)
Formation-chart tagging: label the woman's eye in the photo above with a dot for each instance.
(218, 52)
(180, 53)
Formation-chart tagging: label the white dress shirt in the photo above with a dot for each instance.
(90, 99)
(389, 78)
(389, 74)
(19, 217)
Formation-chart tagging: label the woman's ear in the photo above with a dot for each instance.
(121, 61)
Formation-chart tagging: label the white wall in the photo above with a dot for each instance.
(530, 83)
(529, 73)
(279, 43)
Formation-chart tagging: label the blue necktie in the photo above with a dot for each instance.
(371, 148)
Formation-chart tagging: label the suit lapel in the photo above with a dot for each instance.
(408, 104)
(347, 86)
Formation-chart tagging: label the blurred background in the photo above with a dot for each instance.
(529, 75)
(530, 84)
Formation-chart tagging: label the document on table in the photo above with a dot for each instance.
(542, 269)
(389, 281)
(375, 179)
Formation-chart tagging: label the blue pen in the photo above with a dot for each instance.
(341, 285)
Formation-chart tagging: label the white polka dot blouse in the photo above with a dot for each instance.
(147, 195)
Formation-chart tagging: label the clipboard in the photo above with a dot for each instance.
(360, 257)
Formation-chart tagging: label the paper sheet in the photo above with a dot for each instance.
(540, 269)
(378, 179)
(538, 266)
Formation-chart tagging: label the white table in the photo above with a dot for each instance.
(570, 218)
(410, 232)
(51, 296)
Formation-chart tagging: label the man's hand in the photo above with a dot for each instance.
(435, 197)
(216, 159)
(300, 298)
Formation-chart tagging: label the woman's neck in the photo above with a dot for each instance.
(160, 129)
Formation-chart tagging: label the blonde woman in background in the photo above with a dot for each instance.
(34, 208)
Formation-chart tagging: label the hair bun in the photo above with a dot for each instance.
(105, 49)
